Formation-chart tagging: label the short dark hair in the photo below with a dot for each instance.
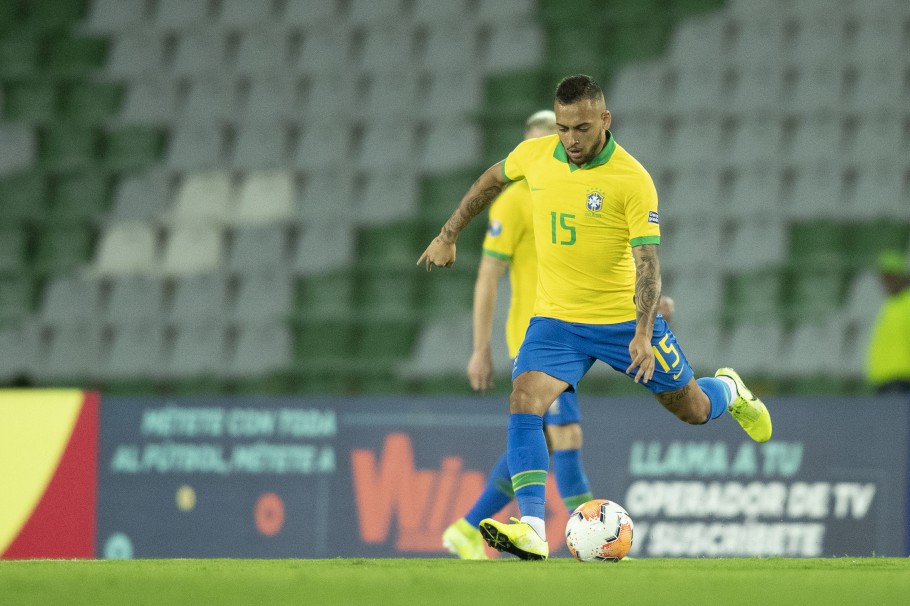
(573, 89)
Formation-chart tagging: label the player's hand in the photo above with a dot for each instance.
(642, 359)
(438, 253)
(480, 370)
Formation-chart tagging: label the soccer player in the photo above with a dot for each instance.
(597, 231)
(509, 245)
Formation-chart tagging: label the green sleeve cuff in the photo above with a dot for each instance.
(505, 176)
(645, 240)
(497, 255)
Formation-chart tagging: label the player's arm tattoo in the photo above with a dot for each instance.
(647, 282)
(478, 199)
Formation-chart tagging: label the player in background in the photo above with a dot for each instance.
(509, 246)
(597, 231)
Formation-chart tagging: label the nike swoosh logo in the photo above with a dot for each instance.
(536, 189)
(676, 376)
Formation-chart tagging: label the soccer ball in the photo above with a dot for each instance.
(599, 530)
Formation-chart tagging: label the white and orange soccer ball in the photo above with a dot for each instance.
(599, 530)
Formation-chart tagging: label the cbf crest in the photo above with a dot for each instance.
(594, 202)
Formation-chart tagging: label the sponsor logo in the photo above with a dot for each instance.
(652, 217)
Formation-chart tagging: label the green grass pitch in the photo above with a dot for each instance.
(803, 582)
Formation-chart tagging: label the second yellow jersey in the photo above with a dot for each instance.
(510, 237)
(586, 221)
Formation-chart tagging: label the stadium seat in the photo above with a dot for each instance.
(259, 249)
(382, 345)
(260, 349)
(324, 247)
(756, 348)
(176, 15)
(31, 101)
(323, 51)
(864, 242)
(198, 350)
(260, 147)
(192, 249)
(393, 246)
(816, 190)
(375, 12)
(323, 343)
(440, 194)
(65, 148)
(199, 299)
(151, 101)
(515, 47)
(264, 297)
(18, 147)
(19, 55)
(127, 248)
(443, 36)
(136, 350)
(388, 197)
(877, 193)
(262, 52)
(327, 196)
(817, 243)
(209, 101)
(321, 146)
(199, 52)
(112, 16)
(204, 198)
(390, 97)
(62, 249)
(90, 102)
(444, 294)
(24, 196)
(79, 198)
(754, 244)
(195, 148)
(132, 148)
(270, 100)
(140, 197)
(386, 146)
(451, 145)
(386, 295)
(134, 55)
(455, 93)
(70, 301)
(326, 296)
(753, 297)
(70, 354)
(13, 243)
(18, 349)
(17, 294)
(813, 294)
(67, 57)
(242, 14)
(135, 300)
(311, 14)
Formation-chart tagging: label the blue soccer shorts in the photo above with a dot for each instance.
(567, 350)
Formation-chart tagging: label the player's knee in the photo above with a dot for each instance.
(565, 437)
(523, 401)
(692, 416)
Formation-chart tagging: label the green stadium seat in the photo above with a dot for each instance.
(565, 56)
(17, 294)
(13, 242)
(500, 138)
(24, 198)
(390, 340)
(816, 244)
(864, 242)
(90, 102)
(79, 198)
(392, 246)
(326, 296)
(448, 293)
(30, 101)
(10, 16)
(753, 298)
(19, 55)
(66, 148)
(517, 94)
(811, 295)
(323, 343)
(133, 148)
(50, 16)
(634, 40)
(388, 295)
(440, 194)
(62, 249)
(74, 57)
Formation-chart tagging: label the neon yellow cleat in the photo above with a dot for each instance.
(748, 410)
(517, 538)
(465, 541)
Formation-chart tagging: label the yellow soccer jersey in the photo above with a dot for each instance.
(586, 221)
(510, 237)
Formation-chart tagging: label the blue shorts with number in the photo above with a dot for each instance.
(566, 350)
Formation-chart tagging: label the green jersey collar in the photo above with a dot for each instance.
(602, 158)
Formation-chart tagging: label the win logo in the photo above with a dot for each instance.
(423, 502)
